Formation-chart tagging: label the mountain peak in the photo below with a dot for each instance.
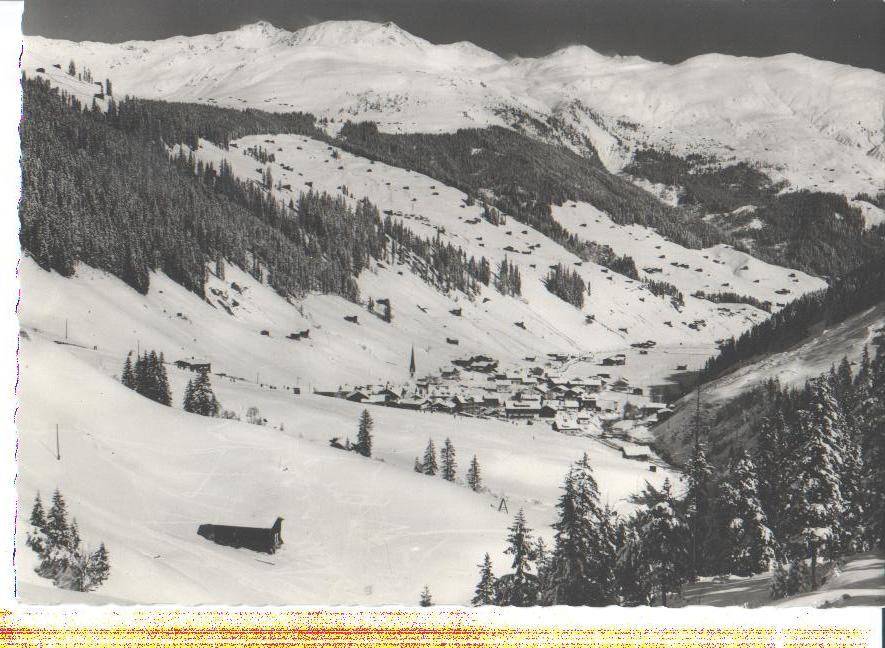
(358, 32)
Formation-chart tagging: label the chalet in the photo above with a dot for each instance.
(607, 405)
(353, 319)
(634, 451)
(266, 540)
(571, 405)
(388, 395)
(442, 405)
(615, 361)
(490, 400)
(419, 404)
(519, 409)
(196, 367)
(452, 341)
(450, 373)
(547, 411)
(357, 396)
(566, 424)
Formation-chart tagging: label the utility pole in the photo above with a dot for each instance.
(66, 328)
(57, 446)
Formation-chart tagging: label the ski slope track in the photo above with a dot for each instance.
(814, 124)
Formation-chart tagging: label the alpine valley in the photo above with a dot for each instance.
(449, 316)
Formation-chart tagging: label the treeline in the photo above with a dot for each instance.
(661, 288)
(566, 284)
(813, 490)
(526, 177)
(507, 279)
(820, 233)
(98, 188)
(185, 123)
(846, 296)
(440, 264)
(95, 194)
(727, 297)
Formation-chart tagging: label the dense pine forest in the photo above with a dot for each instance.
(846, 296)
(103, 188)
(817, 232)
(811, 491)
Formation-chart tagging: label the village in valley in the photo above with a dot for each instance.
(543, 390)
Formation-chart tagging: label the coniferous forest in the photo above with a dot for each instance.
(810, 491)
(104, 188)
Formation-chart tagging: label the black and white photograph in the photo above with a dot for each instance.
(445, 303)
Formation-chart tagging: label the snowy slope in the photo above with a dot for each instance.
(625, 312)
(141, 477)
(813, 123)
(792, 368)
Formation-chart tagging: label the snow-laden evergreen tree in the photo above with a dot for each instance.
(777, 587)
(873, 451)
(665, 540)
(419, 467)
(543, 567)
(698, 477)
(57, 543)
(519, 588)
(816, 504)
(583, 561)
(631, 570)
(447, 457)
(128, 375)
(364, 435)
(37, 538)
(745, 534)
(429, 465)
(474, 476)
(98, 568)
(199, 397)
(773, 457)
(486, 588)
(425, 600)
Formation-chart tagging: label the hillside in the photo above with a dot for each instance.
(141, 477)
(815, 124)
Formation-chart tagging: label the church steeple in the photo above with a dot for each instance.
(412, 363)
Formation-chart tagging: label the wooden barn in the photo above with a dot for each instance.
(266, 540)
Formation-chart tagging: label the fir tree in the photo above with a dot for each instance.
(364, 435)
(583, 561)
(425, 600)
(698, 477)
(37, 538)
(98, 568)
(520, 588)
(777, 588)
(664, 538)
(199, 397)
(429, 464)
(772, 458)
(749, 541)
(57, 529)
(486, 591)
(419, 467)
(474, 476)
(128, 376)
(815, 493)
(447, 456)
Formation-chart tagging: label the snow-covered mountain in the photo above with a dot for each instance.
(816, 124)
